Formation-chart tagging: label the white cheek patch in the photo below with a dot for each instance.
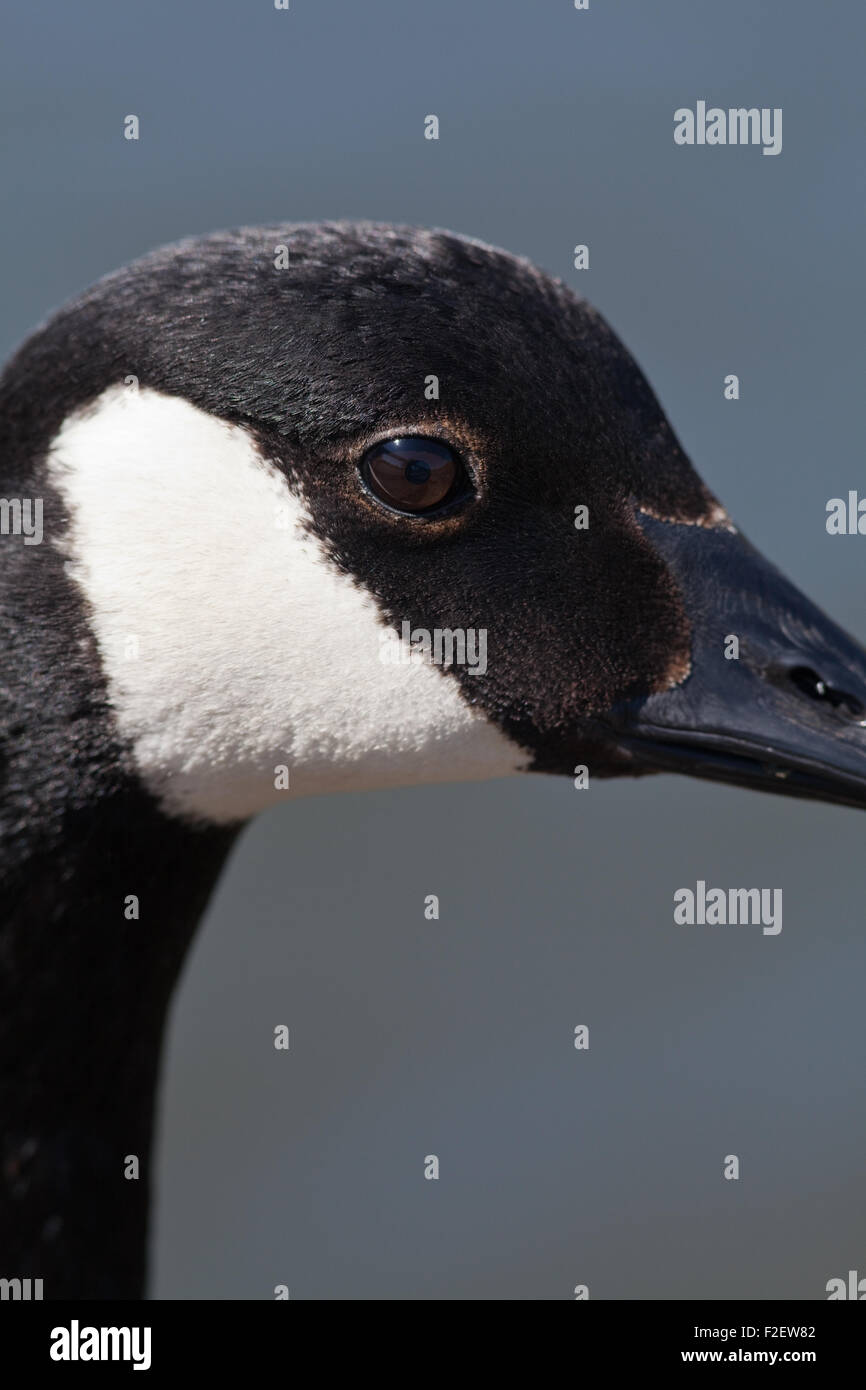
(231, 645)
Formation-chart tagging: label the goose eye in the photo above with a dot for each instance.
(411, 474)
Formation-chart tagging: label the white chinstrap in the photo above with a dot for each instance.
(230, 642)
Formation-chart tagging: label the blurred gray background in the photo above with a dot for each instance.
(456, 1038)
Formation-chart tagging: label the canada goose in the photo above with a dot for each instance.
(253, 464)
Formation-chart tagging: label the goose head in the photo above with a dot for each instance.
(326, 507)
(275, 451)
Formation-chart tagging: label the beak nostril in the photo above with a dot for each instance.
(808, 682)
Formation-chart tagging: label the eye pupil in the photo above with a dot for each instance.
(417, 472)
(412, 474)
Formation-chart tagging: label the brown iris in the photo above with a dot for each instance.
(411, 474)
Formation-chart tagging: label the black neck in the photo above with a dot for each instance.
(84, 991)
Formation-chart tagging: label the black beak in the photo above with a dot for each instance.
(776, 696)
